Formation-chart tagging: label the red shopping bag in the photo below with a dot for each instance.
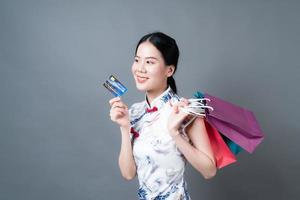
(222, 153)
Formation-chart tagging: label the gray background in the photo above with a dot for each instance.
(57, 140)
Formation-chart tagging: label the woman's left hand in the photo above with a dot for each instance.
(177, 116)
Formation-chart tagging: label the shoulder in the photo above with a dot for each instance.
(136, 108)
(190, 118)
(175, 98)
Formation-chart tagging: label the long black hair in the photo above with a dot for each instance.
(169, 50)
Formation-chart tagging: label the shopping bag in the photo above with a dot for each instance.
(234, 148)
(236, 123)
(222, 153)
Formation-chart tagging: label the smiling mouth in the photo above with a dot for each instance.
(141, 79)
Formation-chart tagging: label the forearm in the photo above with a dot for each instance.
(126, 160)
(198, 159)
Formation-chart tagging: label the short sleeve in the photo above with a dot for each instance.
(135, 110)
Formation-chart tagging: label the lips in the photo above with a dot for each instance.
(141, 79)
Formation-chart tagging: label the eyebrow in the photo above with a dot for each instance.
(148, 57)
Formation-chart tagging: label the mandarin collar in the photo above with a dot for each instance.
(160, 99)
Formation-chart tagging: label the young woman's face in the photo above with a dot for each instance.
(149, 69)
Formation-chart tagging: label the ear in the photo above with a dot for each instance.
(170, 70)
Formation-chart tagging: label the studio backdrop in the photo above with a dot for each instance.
(56, 137)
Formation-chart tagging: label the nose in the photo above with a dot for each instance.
(141, 67)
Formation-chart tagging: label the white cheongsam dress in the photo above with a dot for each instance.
(160, 164)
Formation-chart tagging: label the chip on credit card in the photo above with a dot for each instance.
(115, 86)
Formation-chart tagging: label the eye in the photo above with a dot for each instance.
(136, 60)
(150, 62)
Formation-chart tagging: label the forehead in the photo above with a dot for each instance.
(147, 49)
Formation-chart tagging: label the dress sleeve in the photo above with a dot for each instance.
(134, 113)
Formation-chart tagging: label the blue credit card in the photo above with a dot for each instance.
(115, 86)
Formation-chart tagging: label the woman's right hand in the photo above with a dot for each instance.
(119, 112)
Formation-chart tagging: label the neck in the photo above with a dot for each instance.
(152, 94)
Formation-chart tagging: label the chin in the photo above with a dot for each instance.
(141, 88)
(144, 87)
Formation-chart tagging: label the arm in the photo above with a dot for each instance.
(126, 161)
(200, 154)
(119, 113)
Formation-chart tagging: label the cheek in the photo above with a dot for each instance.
(156, 71)
(133, 67)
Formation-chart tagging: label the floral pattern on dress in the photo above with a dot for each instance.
(160, 164)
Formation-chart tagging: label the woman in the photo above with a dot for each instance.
(154, 144)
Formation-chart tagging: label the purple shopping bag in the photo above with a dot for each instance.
(234, 122)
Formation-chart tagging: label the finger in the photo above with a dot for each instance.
(182, 112)
(122, 104)
(119, 105)
(114, 100)
(182, 104)
(176, 108)
(185, 101)
(179, 103)
(118, 113)
(122, 110)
